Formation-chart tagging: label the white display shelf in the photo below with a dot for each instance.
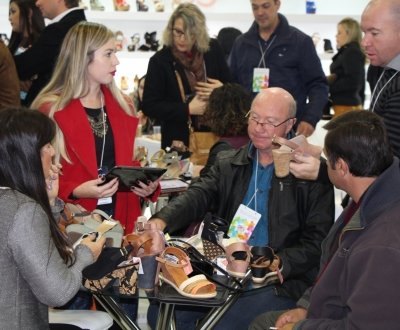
(133, 17)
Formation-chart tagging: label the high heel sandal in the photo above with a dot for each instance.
(158, 5)
(134, 42)
(299, 143)
(141, 6)
(121, 5)
(173, 263)
(147, 244)
(96, 5)
(261, 260)
(238, 258)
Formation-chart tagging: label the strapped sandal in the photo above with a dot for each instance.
(238, 258)
(147, 245)
(298, 143)
(173, 262)
(261, 261)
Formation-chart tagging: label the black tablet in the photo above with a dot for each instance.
(130, 175)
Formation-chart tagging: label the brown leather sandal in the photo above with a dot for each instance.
(173, 263)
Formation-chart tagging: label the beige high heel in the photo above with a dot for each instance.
(121, 5)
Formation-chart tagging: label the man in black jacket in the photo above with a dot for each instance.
(295, 214)
(38, 61)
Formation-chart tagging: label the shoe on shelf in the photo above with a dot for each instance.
(121, 5)
(158, 5)
(124, 83)
(151, 42)
(141, 6)
(175, 268)
(82, 5)
(328, 46)
(134, 42)
(96, 5)
(119, 40)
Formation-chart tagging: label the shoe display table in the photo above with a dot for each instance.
(168, 298)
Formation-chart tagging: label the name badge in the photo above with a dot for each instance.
(104, 201)
(260, 79)
(243, 223)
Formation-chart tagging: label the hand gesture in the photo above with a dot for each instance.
(305, 129)
(52, 182)
(95, 246)
(96, 188)
(144, 190)
(204, 89)
(289, 318)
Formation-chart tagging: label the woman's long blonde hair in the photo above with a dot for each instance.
(70, 77)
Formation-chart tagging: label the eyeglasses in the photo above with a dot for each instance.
(178, 33)
(265, 124)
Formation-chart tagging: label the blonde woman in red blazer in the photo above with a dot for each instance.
(96, 125)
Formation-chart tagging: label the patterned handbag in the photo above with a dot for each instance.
(213, 226)
(112, 270)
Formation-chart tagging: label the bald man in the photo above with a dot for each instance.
(295, 215)
(380, 23)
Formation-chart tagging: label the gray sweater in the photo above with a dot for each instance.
(32, 275)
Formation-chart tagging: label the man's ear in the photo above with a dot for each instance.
(290, 125)
(342, 167)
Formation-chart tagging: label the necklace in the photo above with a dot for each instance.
(99, 123)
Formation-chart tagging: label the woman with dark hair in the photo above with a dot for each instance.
(225, 115)
(27, 23)
(38, 267)
(181, 76)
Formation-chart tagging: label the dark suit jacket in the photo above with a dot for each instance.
(9, 83)
(41, 57)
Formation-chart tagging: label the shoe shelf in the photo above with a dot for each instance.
(233, 18)
(139, 55)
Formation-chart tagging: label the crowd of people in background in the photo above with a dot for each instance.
(247, 89)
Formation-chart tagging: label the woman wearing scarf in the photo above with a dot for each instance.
(181, 76)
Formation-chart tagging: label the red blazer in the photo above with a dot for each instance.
(80, 146)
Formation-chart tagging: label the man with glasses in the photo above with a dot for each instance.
(295, 215)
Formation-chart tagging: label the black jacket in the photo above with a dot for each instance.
(300, 213)
(162, 99)
(349, 67)
(294, 65)
(40, 59)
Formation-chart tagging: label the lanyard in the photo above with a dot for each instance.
(255, 188)
(263, 52)
(383, 87)
(104, 133)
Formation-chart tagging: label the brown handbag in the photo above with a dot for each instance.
(200, 143)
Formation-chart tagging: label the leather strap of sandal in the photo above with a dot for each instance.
(283, 142)
(236, 247)
(232, 285)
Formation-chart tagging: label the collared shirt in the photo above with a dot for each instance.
(256, 198)
(62, 15)
(394, 63)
